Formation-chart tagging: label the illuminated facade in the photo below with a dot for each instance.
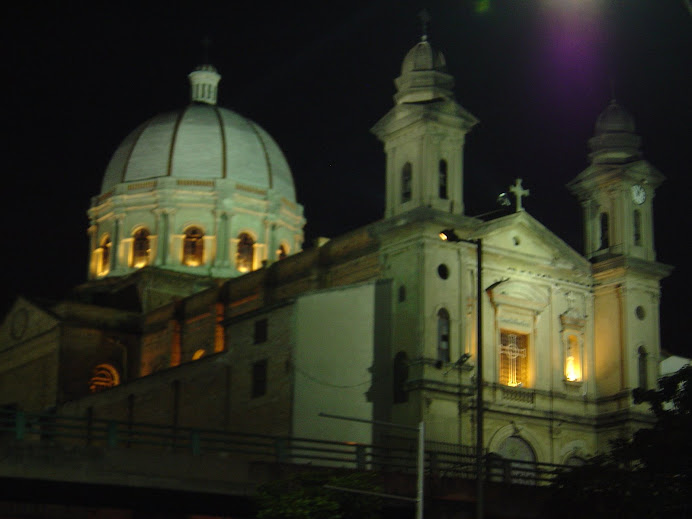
(379, 323)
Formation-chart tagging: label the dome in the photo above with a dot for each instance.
(614, 119)
(201, 142)
(423, 57)
(614, 140)
(423, 76)
(200, 190)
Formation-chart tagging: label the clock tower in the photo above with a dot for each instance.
(616, 192)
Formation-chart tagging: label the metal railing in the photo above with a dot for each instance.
(442, 460)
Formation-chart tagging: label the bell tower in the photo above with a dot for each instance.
(616, 192)
(423, 136)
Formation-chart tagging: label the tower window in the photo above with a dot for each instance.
(637, 217)
(193, 247)
(513, 356)
(443, 179)
(643, 368)
(103, 260)
(443, 335)
(259, 378)
(603, 220)
(406, 180)
(245, 253)
(140, 248)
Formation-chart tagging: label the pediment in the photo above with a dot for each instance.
(520, 238)
(24, 321)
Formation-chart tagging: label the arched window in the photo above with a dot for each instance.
(406, 180)
(603, 220)
(637, 217)
(442, 168)
(193, 247)
(643, 368)
(245, 254)
(281, 252)
(572, 359)
(443, 335)
(140, 248)
(103, 376)
(517, 462)
(513, 353)
(103, 263)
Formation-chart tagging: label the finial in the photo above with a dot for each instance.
(613, 99)
(206, 43)
(519, 193)
(424, 16)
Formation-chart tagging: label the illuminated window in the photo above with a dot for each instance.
(193, 247)
(103, 376)
(406, 177)
(103, 257)
(443, 179)
(140, 248)
(603, 220)
(643, 368)
(259, 378)
(281, 252)
(637, 227)
(245, 253)
(572, 359)
(198, 354)
(513, 359)
(443, 335)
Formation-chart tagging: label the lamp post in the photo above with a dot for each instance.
(450, 235)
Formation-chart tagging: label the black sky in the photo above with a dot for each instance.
(317, 76)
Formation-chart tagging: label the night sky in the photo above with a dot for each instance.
(317, 77)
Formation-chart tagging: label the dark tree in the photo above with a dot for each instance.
(304, 496)
(645, 477)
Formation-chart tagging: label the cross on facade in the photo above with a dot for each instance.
(519, 193)
(512, 351)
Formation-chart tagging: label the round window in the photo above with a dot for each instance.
(443, 271)
(640, 312)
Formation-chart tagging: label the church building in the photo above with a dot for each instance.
(202, 310)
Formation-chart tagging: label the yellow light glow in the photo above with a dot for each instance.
(198, 354)
(443, 236)
(571, 371)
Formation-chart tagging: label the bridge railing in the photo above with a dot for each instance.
(443, 460)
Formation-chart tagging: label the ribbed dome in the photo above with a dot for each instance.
(423, 57)
(423, 76)
(614, 140)
(201, 142)
(614, 119)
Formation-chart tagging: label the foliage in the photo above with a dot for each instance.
(304, 496)
(647, 476)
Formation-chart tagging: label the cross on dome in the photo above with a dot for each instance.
(425, 18)
(519, 193)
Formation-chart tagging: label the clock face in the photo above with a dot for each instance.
(638, 194)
